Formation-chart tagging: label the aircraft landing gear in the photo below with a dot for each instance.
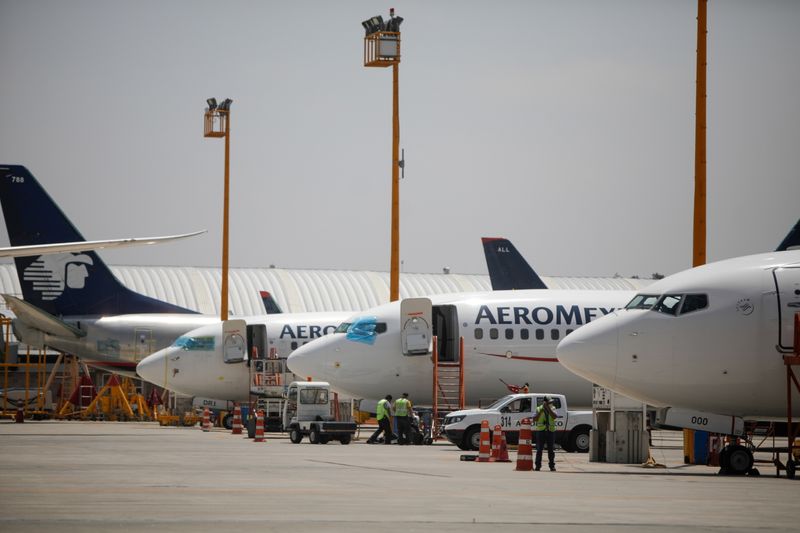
(736, 460)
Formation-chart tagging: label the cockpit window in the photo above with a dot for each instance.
(195, 343)
(642, 301)
(694, 302)
(669, 304)
(343, 327)
(363, 330)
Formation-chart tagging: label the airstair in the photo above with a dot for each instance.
(448, 386)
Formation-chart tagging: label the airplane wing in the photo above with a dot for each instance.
(82, 246)
(35, 318)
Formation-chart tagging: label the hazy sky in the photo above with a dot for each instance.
(565, 126)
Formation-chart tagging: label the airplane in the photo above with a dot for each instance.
(72, 302)
(508, 336)
(203, 369)
(705, 345)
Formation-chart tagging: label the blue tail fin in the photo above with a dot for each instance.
(507, 268)
(64, 284)
(792, 240)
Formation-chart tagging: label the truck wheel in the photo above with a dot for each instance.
(345, 439)
(324, 439)
(227, 421)
(295, 436)
(472, 439)
(579, 440)
(313, 435)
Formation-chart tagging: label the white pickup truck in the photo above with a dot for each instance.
(463, 428)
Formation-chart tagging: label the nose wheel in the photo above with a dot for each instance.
(736, 460)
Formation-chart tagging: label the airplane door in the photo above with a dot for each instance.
(415, 323)
(787, 281)
(143, 340)
(234, 345)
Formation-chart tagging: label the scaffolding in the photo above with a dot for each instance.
(32, 392)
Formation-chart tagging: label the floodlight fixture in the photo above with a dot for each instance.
(225, 105)
(393, 24)
(373, 25)
(212, 104)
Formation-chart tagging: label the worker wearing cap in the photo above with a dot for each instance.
(545, 419)
(384, 421)
(402, 413)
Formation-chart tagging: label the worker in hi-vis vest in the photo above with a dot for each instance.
(545, 419)
(384, 421)
(402, 413)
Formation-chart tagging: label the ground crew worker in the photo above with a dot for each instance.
(402, 413)
(384, 421)
(545, 419)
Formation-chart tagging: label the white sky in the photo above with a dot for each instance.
(567, 127)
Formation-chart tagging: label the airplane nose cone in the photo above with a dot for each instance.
(313, 359)
(591, 351)
(153, 368)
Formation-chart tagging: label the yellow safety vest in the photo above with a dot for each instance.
(401, 406)
(544, 420)
(383, 409)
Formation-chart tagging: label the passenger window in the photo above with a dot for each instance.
(568, 332)
(493, 333)
(294, 345)
(554, 334)
(509, 334)
(669, 304)
(694, 302)
(539, 334)
(524, 334)
(479, 333)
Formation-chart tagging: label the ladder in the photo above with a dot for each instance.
(448, 386)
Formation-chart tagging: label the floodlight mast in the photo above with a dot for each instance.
(218, 124)
(382, 49)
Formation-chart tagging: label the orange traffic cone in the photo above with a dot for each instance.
(206, 419)
(498, 431)
(525, 450)
(237, 420)
(502, 456)
(483, 452)
(259, 427)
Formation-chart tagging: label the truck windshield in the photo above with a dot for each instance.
(498, 403)
(314, 396)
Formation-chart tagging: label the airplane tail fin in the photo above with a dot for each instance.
(507, 268)
(792, 240)
(270, 305)
(68, 283)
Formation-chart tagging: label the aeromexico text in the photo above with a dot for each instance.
(574, 315)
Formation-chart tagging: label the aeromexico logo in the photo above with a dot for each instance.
(50, 275)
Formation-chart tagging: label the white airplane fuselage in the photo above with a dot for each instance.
(195, 364)
(508, 335)
(725, 357)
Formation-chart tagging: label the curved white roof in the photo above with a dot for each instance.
(298, 291)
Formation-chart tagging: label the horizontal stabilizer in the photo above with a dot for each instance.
(35, 318)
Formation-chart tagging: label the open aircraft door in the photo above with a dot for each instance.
(416, 326)
(787, 281)
(234, 345)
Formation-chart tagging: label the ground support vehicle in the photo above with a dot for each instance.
(308, 412)
(463, 428)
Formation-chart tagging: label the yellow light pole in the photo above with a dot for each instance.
(699, 241)
(382, 49)
(218, 124)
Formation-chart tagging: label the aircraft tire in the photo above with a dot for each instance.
(739, 459)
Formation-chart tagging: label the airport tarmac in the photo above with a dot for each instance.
(93, 476)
